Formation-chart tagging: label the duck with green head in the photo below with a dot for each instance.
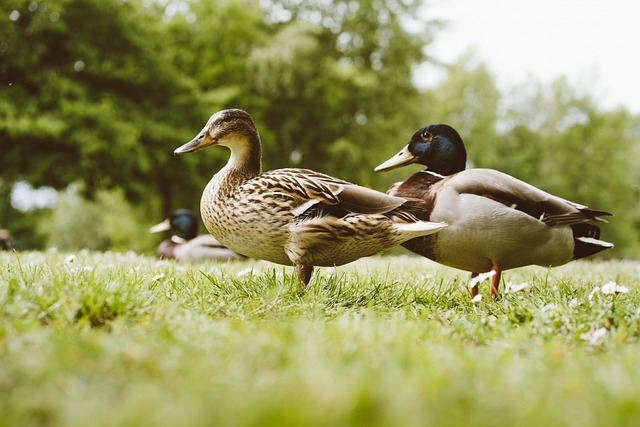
(495, 221)
(295, 216)
(184, 244)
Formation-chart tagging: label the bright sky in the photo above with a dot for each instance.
(594, 43)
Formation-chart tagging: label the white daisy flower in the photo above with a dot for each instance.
(481, 278)
(609, 288)
(613, 288)
(549, 307)
(511, 287)
(622, 289)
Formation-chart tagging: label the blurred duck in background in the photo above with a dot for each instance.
(185, 245)
(7, 242)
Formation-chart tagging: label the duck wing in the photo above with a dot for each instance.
(517, 194)
(324, 194)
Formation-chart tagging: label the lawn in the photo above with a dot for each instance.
(124, 340)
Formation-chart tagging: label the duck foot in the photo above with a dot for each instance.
(304, 273)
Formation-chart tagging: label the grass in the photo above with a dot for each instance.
(119, 339)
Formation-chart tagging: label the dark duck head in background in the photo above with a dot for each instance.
(495, 221)
(185, 245)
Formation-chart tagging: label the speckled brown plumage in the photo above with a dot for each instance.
(295, 216)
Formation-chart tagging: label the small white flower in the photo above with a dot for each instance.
(593, 292)
(598, 336)
(609, 288)
(549, 307)
(481, 278)
(157, 277)
(244, 272)
(613, 288)
(574, 303)
(426, 276)
(87, 268)
(510, 287)
(71, 258)
(477, 298)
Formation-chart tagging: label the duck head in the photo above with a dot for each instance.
(181, 223)
(436, 146)
(233, 128)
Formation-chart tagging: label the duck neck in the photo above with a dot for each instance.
(246, 157)
(448, 168)
(448, 159)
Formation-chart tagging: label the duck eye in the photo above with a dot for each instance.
(426, 136)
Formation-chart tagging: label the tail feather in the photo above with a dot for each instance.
(587, 246)
(421, 228)
(582, 216)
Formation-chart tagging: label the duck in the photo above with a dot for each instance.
(185, 245)
(495, 222)
(295, 217)
(7, 242)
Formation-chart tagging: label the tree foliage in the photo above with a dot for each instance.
(99, 93)
(552, 136)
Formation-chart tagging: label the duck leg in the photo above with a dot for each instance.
(474, 288)
(304, 273)
(495, 281)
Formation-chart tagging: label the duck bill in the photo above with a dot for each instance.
(163, 226)
(195, 144)
(202, 140)
(403, 158)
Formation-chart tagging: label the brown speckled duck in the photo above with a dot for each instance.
(495, 221)
(295, 216)
(184, 244)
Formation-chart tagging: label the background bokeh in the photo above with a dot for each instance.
(96, 94)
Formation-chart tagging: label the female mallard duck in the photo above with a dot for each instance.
(185, 245)
(496, 222)
(295, 216)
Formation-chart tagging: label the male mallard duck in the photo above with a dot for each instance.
(185, 245)
(496, 222)
(295, 216)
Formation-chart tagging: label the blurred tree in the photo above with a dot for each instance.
(89, 95)
(334, 83)
(560, 141)
(100, 92)
(468, 100)
(105, 222)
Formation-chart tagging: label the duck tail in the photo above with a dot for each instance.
(587, 241)
(420, 228)
(587, 246)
